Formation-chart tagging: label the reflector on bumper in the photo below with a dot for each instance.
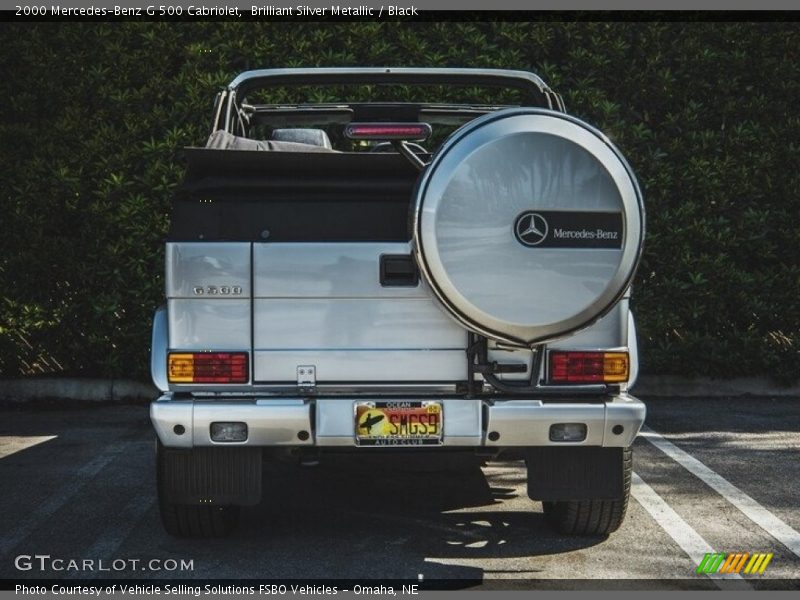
(228, 432)
(568, 432)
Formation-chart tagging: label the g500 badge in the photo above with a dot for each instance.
(217, 290)
(568, 229)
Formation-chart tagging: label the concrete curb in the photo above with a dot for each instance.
(705, 387)
(119, 390)
(86, 390)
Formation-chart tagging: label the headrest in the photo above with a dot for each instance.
(314, 137)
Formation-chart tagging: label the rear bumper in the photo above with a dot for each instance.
(329, 422)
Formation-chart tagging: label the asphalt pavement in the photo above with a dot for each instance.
(712, 475)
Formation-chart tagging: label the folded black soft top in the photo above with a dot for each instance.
(293, 196)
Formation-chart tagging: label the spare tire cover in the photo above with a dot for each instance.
(528, 225)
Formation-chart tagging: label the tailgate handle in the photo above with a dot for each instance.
(399, 270)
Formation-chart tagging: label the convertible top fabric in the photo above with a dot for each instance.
(314, 195)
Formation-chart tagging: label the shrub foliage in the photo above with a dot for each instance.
(94, 116)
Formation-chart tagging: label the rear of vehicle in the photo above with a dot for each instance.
(365, 274)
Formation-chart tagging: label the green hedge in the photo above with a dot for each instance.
(94, 116)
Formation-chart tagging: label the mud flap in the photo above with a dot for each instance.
(575, 473)
(210, 476)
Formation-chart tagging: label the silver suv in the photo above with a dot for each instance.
(359, 276)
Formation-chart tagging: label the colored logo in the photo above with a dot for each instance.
(734, 562)
(369, 420)
(531, 228)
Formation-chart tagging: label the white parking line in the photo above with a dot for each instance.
(61, 496)
(679, 530)
(751, 509)
(10, 444)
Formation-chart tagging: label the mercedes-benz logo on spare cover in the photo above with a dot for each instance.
(531, 228)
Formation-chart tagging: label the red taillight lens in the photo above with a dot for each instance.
(588, 367)
(387, 131)
(208, 367)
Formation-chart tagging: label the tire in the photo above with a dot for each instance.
(190, 521)
(592, 517)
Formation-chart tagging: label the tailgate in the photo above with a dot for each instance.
(328, 305)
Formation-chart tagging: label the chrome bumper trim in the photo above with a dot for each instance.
(329, 421)
(274, 422)
(527, 422)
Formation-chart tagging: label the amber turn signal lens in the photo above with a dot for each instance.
(180, 368)
(615, 367)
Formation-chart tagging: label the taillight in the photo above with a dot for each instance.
(387, 131)
(588, 367)
(208, 367)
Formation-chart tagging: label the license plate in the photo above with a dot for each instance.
(400, 423)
